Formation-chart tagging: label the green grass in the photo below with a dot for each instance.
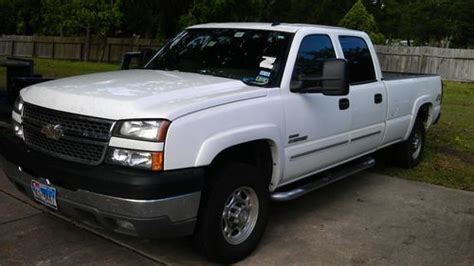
(50, 68)
(449, 150)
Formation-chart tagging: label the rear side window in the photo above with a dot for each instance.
(314, 51)
(361, 66)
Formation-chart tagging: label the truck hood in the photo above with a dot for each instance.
(138, 94)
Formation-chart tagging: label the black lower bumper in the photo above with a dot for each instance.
(128, 201)
(104, 179)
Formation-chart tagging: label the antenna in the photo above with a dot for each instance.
(275, 23)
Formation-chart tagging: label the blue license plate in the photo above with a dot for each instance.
(44, 194)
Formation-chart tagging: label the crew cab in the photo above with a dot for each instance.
(222, 120)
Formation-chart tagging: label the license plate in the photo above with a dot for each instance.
(44, 194)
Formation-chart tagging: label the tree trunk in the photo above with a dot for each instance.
(103, 48)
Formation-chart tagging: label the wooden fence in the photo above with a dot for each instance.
(451, 64)
(72, 48)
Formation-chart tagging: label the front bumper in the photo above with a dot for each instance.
(169, 213)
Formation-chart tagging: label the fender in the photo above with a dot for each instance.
(217, 143)
(416, 108)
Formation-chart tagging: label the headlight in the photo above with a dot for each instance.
(18, 106)
(148, 130)
(137, 159)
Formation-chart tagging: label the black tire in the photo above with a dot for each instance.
(209, 236)
(410, 154)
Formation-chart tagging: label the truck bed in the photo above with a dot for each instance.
(400, 75)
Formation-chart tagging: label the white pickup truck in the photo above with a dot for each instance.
(222, 120)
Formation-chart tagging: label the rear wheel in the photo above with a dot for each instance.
(410, 152)
(233, 214)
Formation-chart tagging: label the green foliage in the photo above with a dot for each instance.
(427, 22)
(74, 16)
(20, 17)
(223, 10)
(358, 18)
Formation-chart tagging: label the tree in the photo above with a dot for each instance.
(20, 16)
(141, 18)
(95, 16)
(461, 15)
(427, 22)
(358, 18)
(88, 17)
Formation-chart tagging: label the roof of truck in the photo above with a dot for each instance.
(286, 27)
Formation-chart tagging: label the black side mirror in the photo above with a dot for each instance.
(128, 58)
(333, 82)
(139, 59)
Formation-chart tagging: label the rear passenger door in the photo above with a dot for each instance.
(367, 94)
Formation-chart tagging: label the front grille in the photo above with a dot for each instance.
(84, 139)
(76, 125)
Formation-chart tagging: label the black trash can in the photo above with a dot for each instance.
(17, 67)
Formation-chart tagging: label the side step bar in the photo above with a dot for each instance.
(327, 178)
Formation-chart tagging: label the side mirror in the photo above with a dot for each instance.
(333, 82)
(138, 59)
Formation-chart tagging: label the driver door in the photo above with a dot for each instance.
(317, 126)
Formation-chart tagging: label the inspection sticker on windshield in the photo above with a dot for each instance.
(44, 194)
(267, 62)
(239, 34)
(265, 73)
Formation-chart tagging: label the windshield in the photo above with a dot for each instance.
(256, 57)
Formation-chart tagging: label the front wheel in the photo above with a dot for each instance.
(233, 214)
(410, 152)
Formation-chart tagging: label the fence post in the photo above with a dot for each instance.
(108, 52)
(12, 51)
(34, 49)
(81, 51)
(53, 48)
(420, 62)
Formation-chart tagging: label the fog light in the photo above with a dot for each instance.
(18, 128)
(137, 159)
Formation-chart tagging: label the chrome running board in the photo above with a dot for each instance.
(320, 180)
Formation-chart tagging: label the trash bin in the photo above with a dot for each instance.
(19, 68)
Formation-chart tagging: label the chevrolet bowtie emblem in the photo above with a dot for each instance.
(53, 131)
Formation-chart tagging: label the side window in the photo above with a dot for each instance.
(361, 66)
(314, 50)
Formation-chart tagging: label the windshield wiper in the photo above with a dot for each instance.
(216, 73)
(246, 80)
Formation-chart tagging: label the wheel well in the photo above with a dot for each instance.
(257, 153)
(424, 113)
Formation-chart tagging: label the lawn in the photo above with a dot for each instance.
(62, 68)
(449, 153)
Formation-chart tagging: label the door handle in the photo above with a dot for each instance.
(378, 98)
(344, 104)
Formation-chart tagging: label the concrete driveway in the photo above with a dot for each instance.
(367, 219)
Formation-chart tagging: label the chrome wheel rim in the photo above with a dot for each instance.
(239, 216)
(417, 141)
